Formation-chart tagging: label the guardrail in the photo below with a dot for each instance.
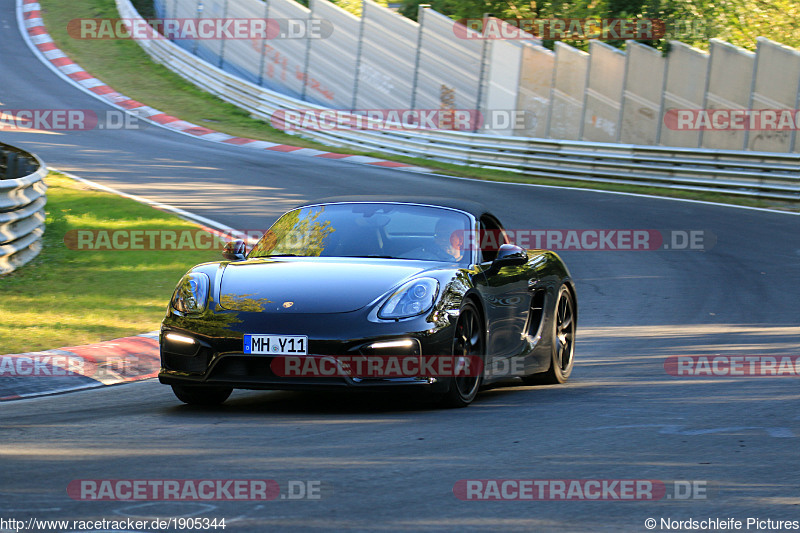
(22, 200)
(757, 174)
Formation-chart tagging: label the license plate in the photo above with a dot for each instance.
(276, 344)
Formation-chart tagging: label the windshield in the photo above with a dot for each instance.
(368, 230)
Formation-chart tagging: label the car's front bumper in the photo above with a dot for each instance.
(219, 360)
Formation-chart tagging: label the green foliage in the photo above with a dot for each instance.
(146, 8)
(741, 21)
(354, 6)
(690, 21)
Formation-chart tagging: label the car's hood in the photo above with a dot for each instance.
(311, 285)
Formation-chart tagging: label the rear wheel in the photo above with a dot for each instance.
(469, 341)
(201, 395)
(562, 342)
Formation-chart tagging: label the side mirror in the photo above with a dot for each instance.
(508, 255)
(235, 250)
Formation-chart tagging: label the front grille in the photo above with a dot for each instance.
(250, 369)
(238, 368)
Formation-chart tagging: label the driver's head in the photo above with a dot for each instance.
(449, 234)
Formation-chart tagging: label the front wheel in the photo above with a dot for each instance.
(562, 342)
(468, 341)
(201, 395)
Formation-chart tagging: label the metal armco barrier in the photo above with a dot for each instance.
(22, 200)
(768, 175)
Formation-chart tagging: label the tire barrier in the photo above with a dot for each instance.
(22, 201)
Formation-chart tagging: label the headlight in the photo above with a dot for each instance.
(192, 293)
(412, 298)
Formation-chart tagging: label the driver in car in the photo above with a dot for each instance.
(447, 243)
(449, 239)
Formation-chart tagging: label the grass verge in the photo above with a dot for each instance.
(124, 66)
(68, 297)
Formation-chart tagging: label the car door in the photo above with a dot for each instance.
(507, 294)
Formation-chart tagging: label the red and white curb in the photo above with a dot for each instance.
(29, 17)
(74, 368)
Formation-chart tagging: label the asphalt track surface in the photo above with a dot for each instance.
(390, 463)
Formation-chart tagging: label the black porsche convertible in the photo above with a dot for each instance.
(371, 293)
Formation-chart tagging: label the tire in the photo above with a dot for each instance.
(201, 395)
(562, 342)
(469, 340)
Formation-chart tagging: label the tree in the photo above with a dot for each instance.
(693, 22)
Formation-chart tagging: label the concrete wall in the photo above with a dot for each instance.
(566, 98)
(603, 101)
(777, 76)
(535, 86)
(332, 61)
(730, 81)
(685, 88)
(502, 86)
(448, 67)
(382, 83)
(641, 99)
